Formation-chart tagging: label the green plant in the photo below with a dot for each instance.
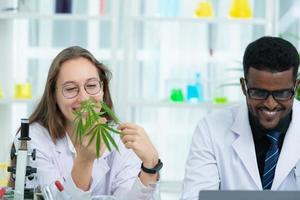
(298, 94)
(298, 90)
(89, 121)
(294, 36)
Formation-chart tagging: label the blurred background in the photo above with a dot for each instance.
(173, 61)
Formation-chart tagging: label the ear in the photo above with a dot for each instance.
(243, 86)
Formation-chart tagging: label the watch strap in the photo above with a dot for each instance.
(153, 170)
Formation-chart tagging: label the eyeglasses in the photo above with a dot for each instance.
(261, 94)
(71, 90)
(280, 95)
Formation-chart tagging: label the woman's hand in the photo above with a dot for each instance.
(86, 154)
(134, 137)
(86, 151)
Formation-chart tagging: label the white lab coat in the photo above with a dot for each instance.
(222, 155)
(115, 173)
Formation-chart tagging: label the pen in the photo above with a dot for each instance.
(59, 186)
(62, 194)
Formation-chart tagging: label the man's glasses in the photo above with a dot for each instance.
(71, 90)
(280, 95)
(261, 94)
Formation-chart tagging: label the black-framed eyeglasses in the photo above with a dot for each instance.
(261, 94)
(72, 89)
(280, 95)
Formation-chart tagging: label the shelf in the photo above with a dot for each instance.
(51, 52)
(37, 16)
(254, 21)
(8, 101)
(167, 104)
(217, 57)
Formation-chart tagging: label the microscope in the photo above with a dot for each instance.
(21, 170)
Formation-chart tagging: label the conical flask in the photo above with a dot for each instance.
(240, 9)
(1, 92)
(204, 9)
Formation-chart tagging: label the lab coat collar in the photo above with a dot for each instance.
(245, 148)
(289, 155)
(244, 144)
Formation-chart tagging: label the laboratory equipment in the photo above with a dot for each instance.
(240, 9)
(204, 9)
(22, 171)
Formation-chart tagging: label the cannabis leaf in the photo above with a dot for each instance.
(89, 121)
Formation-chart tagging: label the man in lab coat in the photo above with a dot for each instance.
(255, 145)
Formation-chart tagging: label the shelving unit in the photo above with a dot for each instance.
(168, 104)
(258, 21)
(40, 16)
(6, 101)
(136, 17)
(148, 55)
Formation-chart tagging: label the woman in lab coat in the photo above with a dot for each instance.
(230, 147)
(59, 157)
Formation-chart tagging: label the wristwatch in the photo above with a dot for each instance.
(153, 170)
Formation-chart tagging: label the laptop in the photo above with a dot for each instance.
(248, 195)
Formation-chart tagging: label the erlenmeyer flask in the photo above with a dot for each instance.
(1, 92)
(204, 9)
(240, 9)
(23, 91)
(3, 174)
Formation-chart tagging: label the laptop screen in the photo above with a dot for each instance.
(249, 195)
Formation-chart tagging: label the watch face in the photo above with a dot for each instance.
(153, 170)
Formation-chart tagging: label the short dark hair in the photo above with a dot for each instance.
(271, 54)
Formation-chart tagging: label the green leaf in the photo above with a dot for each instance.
(105, 140)
(92, 124)
(111, 129)
(92, 138)
(91, 130)
(110, 112)
(98, 140)
(79, 129)
(111, 139)
(88, 123)
(101, 113)
(95, 115)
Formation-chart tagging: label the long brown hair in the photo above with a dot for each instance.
(47, 112)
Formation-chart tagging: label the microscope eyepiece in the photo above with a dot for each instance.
(24, 130)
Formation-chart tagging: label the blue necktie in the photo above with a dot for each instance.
(271, 160)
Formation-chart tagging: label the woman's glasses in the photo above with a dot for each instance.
(72, 89)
